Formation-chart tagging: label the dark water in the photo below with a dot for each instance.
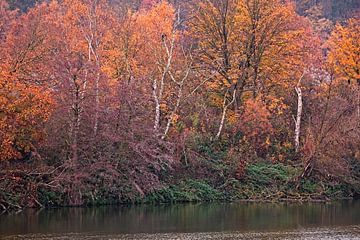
(339, 220)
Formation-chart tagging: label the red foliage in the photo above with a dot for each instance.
(255, 124)
(147, 4)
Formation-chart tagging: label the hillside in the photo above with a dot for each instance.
(324, 14)
(331, 9)
(153, 101)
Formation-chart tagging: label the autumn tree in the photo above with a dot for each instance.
(333, 109)
(83, 32)
(25, 99)
(255, 125)
(252, 48)
(165, 66)
(141, 93)
(344, 54)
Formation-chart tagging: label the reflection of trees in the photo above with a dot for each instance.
(241, 217)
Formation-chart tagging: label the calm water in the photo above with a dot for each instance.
(340, 220)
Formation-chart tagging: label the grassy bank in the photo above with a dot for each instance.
(262, 181)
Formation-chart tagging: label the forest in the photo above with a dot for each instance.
(129, 101)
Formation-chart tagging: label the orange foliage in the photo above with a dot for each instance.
(344, 55)
(255, 124)
(256, 47)
(151, 25)
(134, 50)
(25, 102)
(279, 42)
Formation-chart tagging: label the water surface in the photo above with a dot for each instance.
(338, 220)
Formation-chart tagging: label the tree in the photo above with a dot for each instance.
(166, 63)
(344, 54)
(255, 124)
(25, 99)
(257, 47)
(333, 125)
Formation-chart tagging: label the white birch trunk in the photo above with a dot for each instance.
(298, 114)
(298, 118)
(157, 107)
(93, 43)
(165, 70)
(172, 114)
(223, 116)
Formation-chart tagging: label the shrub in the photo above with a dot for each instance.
(186, 191)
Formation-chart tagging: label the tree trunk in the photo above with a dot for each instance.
(225, 107)
(299, 113)
(157, 107)
(298, 118)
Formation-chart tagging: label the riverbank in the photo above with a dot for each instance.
(348, 233)
(260, 182)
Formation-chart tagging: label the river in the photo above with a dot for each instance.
(219, 221)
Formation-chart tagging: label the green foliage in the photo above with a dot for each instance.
(10, 198)
(264, 174)
(214, 151)
(308, 186)
(212, 156)
(50, 198)
(186, 191)
(337, 191)
(263, 181)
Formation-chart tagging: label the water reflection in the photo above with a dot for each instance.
(182, 218)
